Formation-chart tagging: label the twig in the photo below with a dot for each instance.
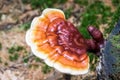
(22, 6)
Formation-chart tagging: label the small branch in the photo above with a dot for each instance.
(22, 6)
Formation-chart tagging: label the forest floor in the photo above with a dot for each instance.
(16, 59)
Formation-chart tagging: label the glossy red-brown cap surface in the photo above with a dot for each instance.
(54, 39)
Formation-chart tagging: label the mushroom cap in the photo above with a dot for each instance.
(58, 42)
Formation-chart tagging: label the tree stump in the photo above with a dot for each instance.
(109, 65)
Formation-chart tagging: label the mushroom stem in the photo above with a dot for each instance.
(96, 35)
(67, 76)
(93, 46)
(97, 41)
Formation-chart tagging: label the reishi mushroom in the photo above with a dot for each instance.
(56, 41)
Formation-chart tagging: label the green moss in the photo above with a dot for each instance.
(13, 57)
(93, 61)
(0, 60)
(81, 2)
(115, 41)
(96, 13)
(19, 48)
(11, 50)
(14, 52)
(115, 2)
(15, 49)
(42, 4)
(115, 18)
(25, 26)
(0, 46)
(35, 66)
(37, 59)
(26, 60)
(46, 69)
(84, 32)
(68, 13)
